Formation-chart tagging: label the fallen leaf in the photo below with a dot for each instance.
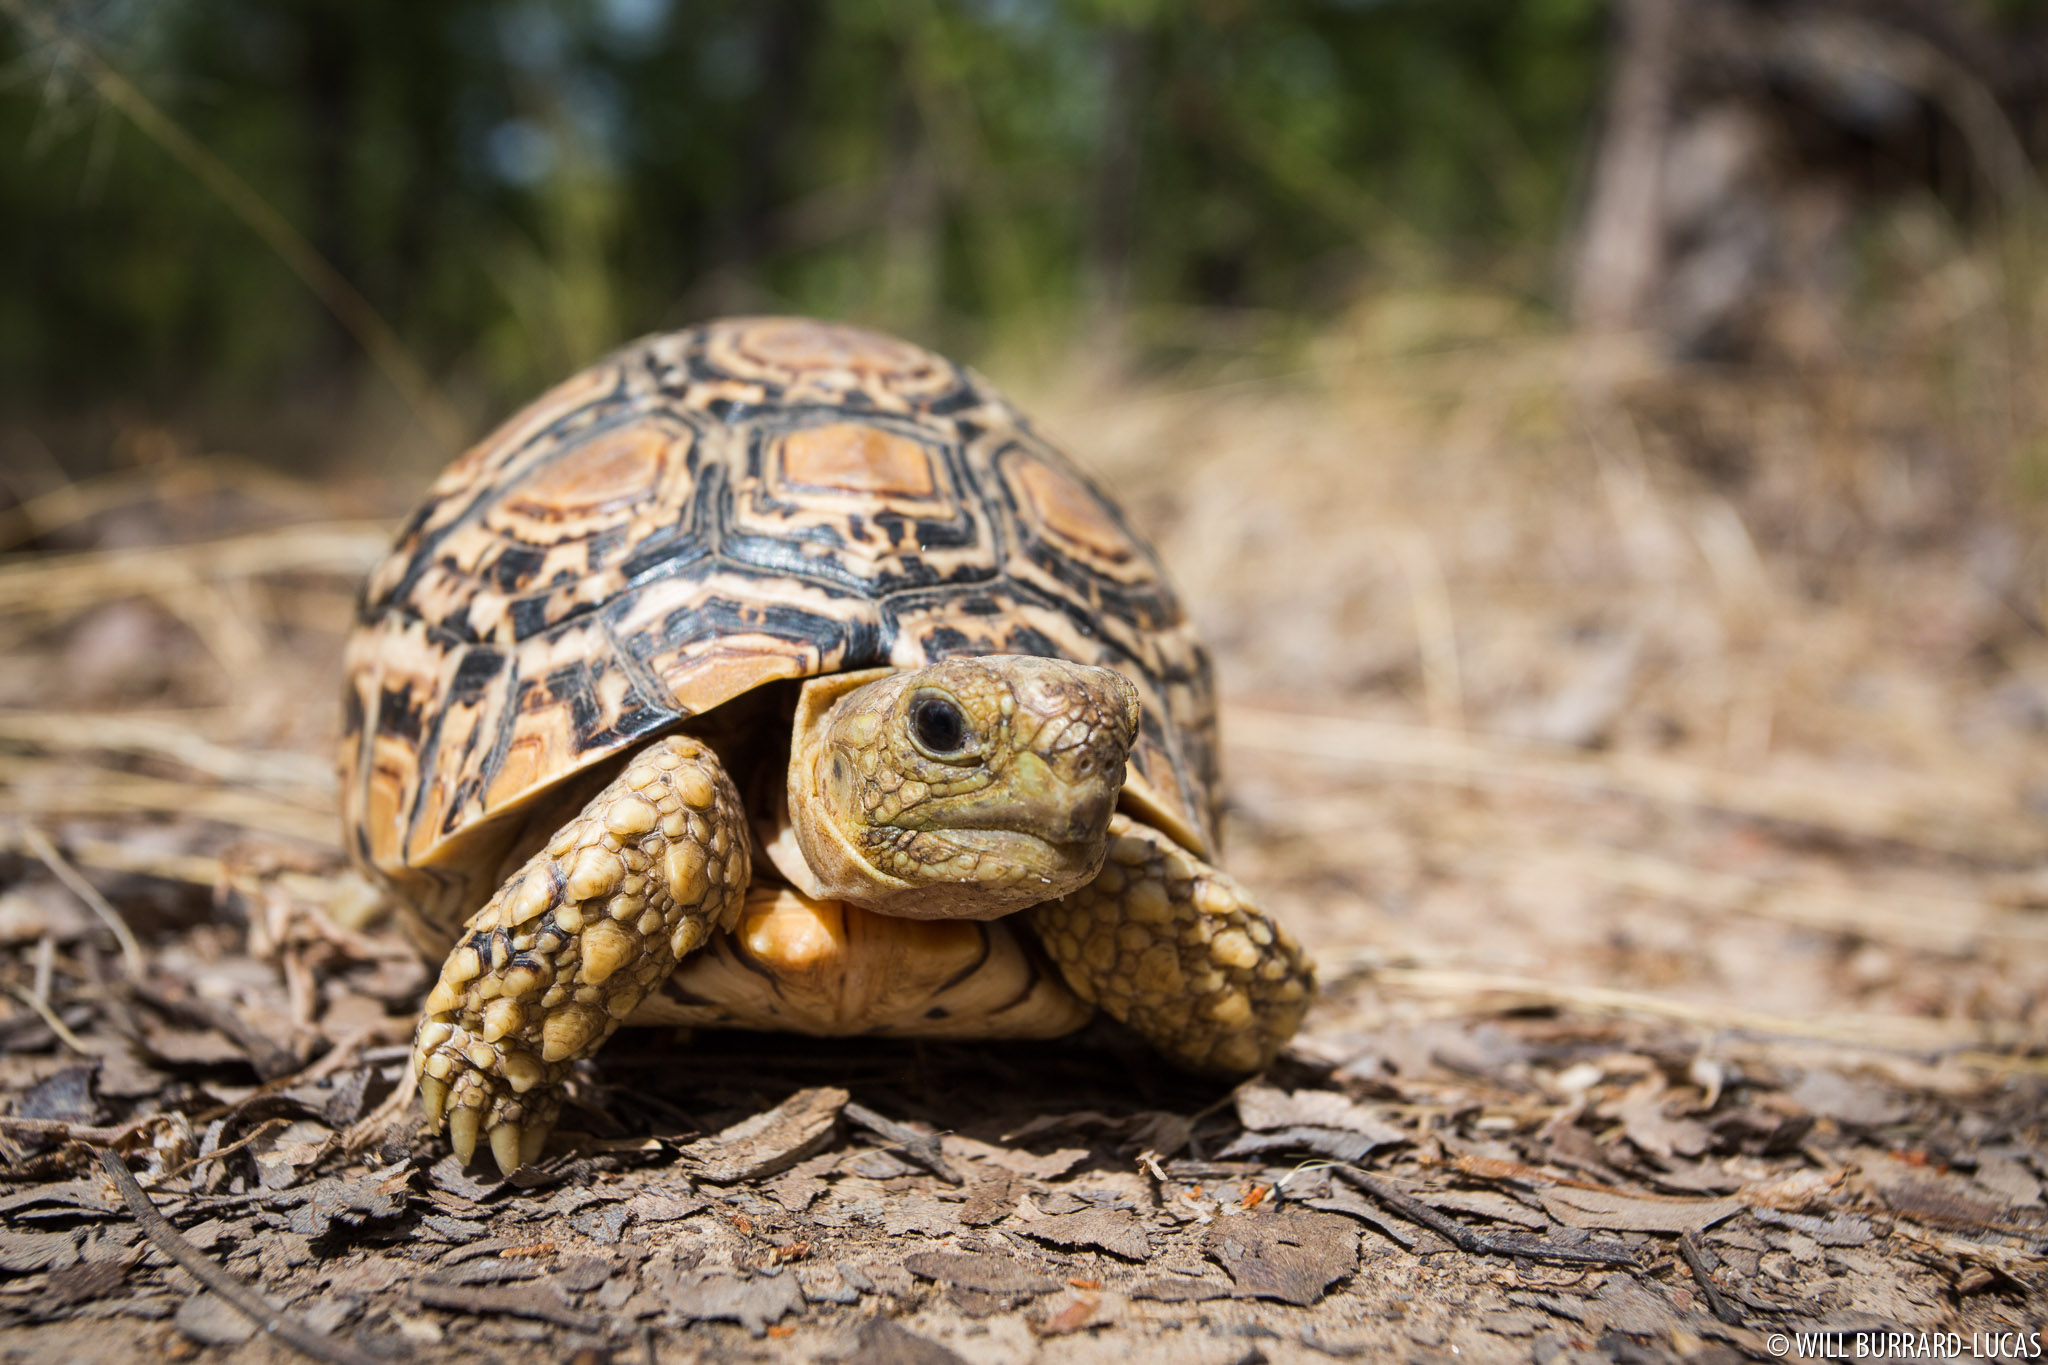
(1111, 1230)
(974, 1270)
(1341, 1144)
(719, 1295)
(652, 1206)
(1265, 1108)
(1293, 1255)
(884, 1341)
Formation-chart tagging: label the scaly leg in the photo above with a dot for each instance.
(568, 947)
(1177, 950)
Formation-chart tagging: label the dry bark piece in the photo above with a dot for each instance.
(541, 1302)
(1338, 1143)
(1849, 1100)
(1182, 1289)
(1293, 1255)
(653, 1206)
(920, 1213)
(883, 1341)
(974, 1270)
(581, 1274)
(989, 1199)
(1838, 1230)
(22, 1252)
(1656, 1132)
(1110, 1230)
(1264, 1108)
(1580, 1208)
(753, 1302)
(767, 1142)
(209, 1320)
(922, 1148)
(85, 1282)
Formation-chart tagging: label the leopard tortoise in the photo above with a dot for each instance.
(775, 674)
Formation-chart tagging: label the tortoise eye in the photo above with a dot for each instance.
(938, 726)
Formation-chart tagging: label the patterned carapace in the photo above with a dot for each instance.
(709, 510)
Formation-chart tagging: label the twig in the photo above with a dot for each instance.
(921, 1148)
(1689, 1248)
(131, 951)
(1476, 1243)
(237, 1292)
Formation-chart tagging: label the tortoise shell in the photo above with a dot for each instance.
(707, 511)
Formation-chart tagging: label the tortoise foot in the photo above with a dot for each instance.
(1180, 952)
(573, 942)
(466, 1089)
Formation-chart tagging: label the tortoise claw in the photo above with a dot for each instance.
(434, 1100)
(463, 1127)
(506, 1143)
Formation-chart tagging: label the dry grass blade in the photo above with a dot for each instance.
(131, 951)
(108, 855)
(50, 1020)
(186, 476)
(61, 584)
(1953, 824)
(173, 741)
(44, 790)
(1887, 1032)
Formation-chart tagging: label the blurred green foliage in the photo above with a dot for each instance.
(517, 186)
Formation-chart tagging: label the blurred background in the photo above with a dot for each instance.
(1605, 441)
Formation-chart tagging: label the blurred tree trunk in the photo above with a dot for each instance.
(1620, 247)
(783, 34)
(1127, 60)
(327, 98)
(907, 285)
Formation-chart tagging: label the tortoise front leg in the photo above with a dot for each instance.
(1177, 950)
(592, 924)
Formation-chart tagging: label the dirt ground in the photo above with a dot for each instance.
(1656, 763)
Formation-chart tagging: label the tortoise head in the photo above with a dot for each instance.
(963, 790)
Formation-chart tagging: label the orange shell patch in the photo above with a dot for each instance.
(1066, 510)
(800, 344)
(847, 457)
